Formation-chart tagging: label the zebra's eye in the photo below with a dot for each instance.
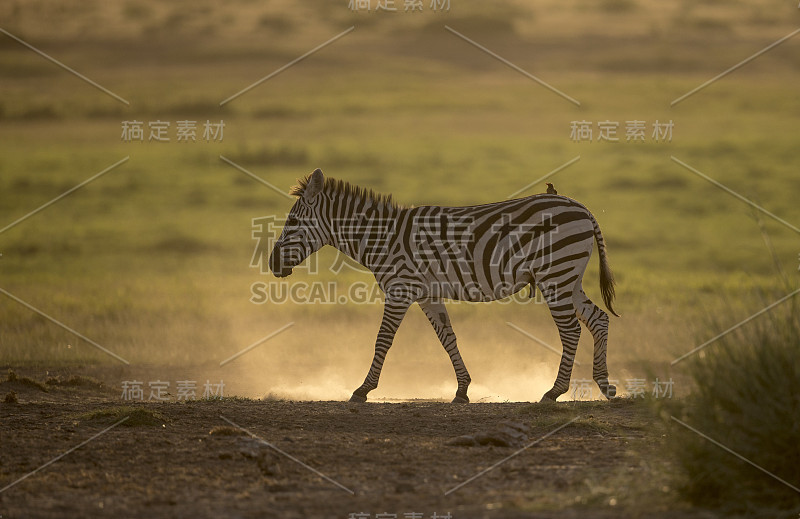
(292, 221)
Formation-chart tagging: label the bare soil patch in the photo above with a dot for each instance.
(201, 459)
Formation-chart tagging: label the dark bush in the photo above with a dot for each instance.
(747, 398)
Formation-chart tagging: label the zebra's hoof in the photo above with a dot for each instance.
(548, 398)
(358, 398)
(460, 400)
(611, 391)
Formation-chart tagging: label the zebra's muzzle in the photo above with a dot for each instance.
(277, 265)
(283, 272)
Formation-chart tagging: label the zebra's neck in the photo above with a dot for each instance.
(362, 228)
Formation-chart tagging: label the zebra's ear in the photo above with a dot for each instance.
(315, 184)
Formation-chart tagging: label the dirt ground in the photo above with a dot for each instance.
(198, 458)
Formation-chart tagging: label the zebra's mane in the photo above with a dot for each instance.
(343, 189)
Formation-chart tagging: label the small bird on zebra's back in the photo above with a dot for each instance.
(550, 189)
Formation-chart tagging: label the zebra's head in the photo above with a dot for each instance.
(302, 234)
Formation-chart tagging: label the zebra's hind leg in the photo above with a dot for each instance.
(437, 315)
(570, 332)
(596, 320)
(563, 312)
(393, 313)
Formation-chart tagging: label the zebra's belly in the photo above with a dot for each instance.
(468, 287)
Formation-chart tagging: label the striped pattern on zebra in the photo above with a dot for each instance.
(428, 254)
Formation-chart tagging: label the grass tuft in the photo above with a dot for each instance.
(75, 381)
(273, 397)
(24, 381)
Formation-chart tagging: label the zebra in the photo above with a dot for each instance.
(428, 254)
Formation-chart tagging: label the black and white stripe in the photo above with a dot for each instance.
(428, 254)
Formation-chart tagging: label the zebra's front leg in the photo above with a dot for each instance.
(437, 315)
(393, 313)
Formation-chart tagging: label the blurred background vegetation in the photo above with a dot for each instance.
(152, 260)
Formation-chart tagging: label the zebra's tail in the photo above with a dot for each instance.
(606, 276)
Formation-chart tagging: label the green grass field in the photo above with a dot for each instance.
(152, 259)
